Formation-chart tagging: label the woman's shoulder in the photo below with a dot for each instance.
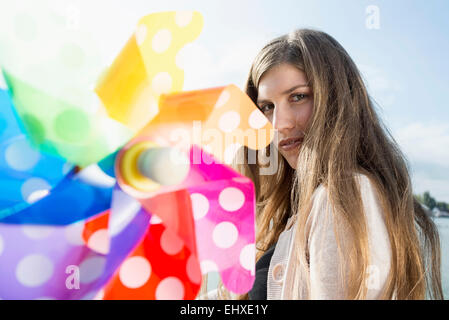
(369, 193)
(365, 183)
(323, 219)
(364, 180)
(321, 204)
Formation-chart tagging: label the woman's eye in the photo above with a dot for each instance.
(266, 108)
(298, 97)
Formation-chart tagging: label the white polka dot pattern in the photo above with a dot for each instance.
(37, 231)
(99, 241)
(21, 156)
(193, 270)
(208, 266)
(229, 121)
(141, 34)
(257, 120)
(223, 99)
(170, 288)
(248, 257)
(34, 270)
(200, 205)
(171, 243)
(135, 272)
(228, 234)
(225, 234)
(231, 199)
(161, 40)
(183, 18)
(162, 83)
(34, 188)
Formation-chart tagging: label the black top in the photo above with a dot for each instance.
(259, 290)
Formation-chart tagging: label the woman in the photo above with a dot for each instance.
(339, 214)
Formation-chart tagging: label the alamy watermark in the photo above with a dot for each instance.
(72, 282)
(226, 146)
(373, 17)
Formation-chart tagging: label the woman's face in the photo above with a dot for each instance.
(287, 101)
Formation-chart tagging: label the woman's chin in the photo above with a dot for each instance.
(292, 159)
(292, 163)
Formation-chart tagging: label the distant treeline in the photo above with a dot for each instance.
(430, 201)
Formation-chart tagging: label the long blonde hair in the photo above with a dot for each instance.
(344, 136)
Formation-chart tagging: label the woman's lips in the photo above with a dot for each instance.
(292, 145)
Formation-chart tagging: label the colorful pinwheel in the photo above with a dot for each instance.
(122, 202)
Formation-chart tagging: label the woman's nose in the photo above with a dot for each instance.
(283, 117)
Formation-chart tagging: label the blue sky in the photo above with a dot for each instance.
(404, 62)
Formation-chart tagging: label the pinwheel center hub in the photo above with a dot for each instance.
(147, 166)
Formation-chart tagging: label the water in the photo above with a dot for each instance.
(443, 228)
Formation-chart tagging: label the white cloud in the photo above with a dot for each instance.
(427, 143)
(427, 149)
